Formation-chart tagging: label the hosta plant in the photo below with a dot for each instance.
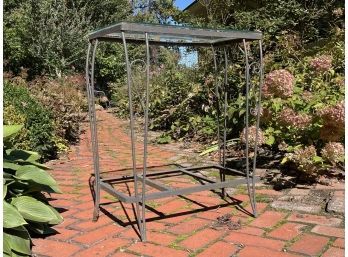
(25, 208)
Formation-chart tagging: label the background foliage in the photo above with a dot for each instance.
(50, 109)
(296, 33)
(39, 127)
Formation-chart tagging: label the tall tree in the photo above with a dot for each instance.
(49, 36)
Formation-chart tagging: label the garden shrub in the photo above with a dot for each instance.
(12, 117)
(177, 101)
(252, 136)
(26, 210)
(333, 152)
(308, 124)
(66, 101)
(306, 159)
(39, 125)
(61, 104)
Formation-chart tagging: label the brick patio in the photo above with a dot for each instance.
(177, 226)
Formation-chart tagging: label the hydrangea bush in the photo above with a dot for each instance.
(278, 83)
(333, 152)
(252, 136)
(307, 114)
(321, 63)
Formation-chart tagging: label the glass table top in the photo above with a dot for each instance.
(171, 34)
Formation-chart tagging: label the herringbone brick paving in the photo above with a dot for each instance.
(177, 226)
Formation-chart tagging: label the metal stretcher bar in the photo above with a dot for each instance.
(173, 192)
(181, 169)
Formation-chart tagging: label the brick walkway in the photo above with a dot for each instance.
(177, 226)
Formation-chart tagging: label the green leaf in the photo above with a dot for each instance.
(10, 130)
(270, 140)
(29, 156)
(318, 105)
(269, 129)
(41, 166)
(6, 247)
(209, 150)
(58, 219)
(31, 172)
(55, 189)
(163, 139)
(317, 159)
(10, 165)
(12, 218)
(41, 228)
(4, 191)
(241, 112)
(18, 240)
(277, 132)
(284, 160)
(34, 210)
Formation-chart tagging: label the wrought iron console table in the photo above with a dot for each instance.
(164, 35)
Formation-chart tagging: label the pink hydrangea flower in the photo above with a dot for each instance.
(333, 119)
(303, 158)
(307, 96)
(333, 115)
(252, 136)
(333, 152)
(278, 83)
(289, 117)
(331, 133)
(321, 63)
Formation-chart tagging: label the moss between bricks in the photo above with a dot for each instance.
(110, 197)
(179, 239)
(277, 225)
(305, 229)
(262, 198)
(327, 246)
(241, 190)
(209, 244)
(112, 153)
(76, 170)
(152, 204)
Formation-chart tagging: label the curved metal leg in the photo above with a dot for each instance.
(137, 208)
(92, 120)
(146, 115)
(88, 87)
(217, 111)
(247, 77)
(217, 105)
(95, 138)
(225, 122)
(258, 106)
